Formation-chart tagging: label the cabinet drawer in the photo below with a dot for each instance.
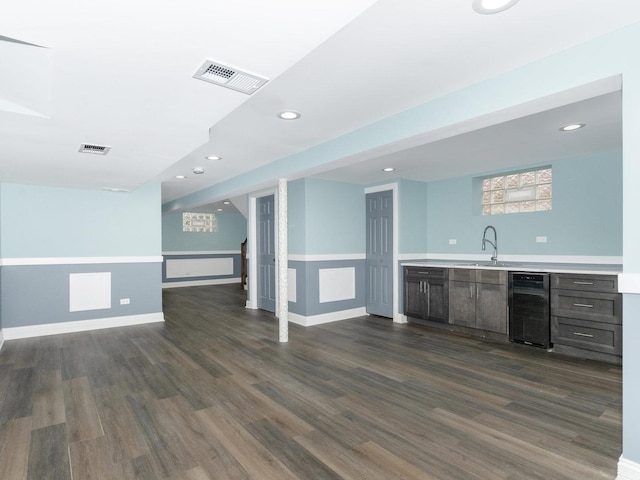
(496, 277)
(462, 274)
(594, 306)
(593, 283)
(427, 271)
(594, 336)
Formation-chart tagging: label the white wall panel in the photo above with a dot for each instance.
(89, 291)
(337, 284)
(199, 267)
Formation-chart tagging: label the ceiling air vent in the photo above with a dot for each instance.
(229, 77)
(95, 149)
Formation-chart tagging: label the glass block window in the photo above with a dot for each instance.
(198, 222)
(517, 192)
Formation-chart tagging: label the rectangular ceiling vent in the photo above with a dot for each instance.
(95, 149)
(229, 77)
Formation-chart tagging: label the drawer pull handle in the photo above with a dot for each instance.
(588, 335)
(585, 305)
(583, 283)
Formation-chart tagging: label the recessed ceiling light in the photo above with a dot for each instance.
(226, 202)
(571, 127)
(181, 177)
(114, 189)
(198, 170)
(388, 169)
(488, 7)
(289, 115)
(213, 157)
(219, 209)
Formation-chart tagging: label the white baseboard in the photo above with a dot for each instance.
(13, 333)
(628, 470)
(200, 283)
(326, 317)
(400, 318)
(1, 339)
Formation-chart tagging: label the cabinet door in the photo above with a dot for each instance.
(491, 307)
(462, 303)
(437, 300)
(414, 297)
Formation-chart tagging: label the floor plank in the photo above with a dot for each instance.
(211, 394)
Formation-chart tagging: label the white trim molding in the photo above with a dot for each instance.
(331, 257)
(13, 333)
(201, 283)
(326, 317)
(629, 283)
(1, 339)
(628, 470)
(11, 262)
(208, 252)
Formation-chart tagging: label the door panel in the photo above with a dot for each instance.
(266, 253)
(379, 262)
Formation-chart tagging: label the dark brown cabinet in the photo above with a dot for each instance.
(586, 316)
(478, 299)
(426, 293)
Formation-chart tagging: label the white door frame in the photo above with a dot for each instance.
(397, 317)
(252, 246)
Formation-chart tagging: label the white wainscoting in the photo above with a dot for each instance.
(199, 267)
(292, 291)
(13, 333)
(337, 284)
(628, 470)
(312, 320)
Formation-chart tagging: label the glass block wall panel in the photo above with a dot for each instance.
(543, 176)
(528, 178)
(497, 209)
(529, 191)
(543, 205)
(513, 181)
(513, 207)
(497, 183)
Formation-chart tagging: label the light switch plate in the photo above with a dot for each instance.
(125, 301)
(452, 241)
(541, 239)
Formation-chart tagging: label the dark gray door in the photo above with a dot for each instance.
(266, 253)
(379, 262)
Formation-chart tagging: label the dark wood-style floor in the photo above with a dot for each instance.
(211, 394)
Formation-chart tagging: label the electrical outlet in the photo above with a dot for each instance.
(125, 301)
(541, 239)
(452, 241)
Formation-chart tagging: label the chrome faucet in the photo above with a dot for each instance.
(494, 244)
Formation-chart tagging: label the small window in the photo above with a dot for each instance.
(198, 222)
(517, 192)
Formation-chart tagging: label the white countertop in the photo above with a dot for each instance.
(583, 268)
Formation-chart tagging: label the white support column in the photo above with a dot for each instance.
(283, 262)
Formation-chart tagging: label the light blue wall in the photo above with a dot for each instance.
(62, 222)
(230, 233)
(586, 218)
(412, 210)
(296, 209)
(326, 217)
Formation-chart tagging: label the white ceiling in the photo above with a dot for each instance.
(120, 74)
